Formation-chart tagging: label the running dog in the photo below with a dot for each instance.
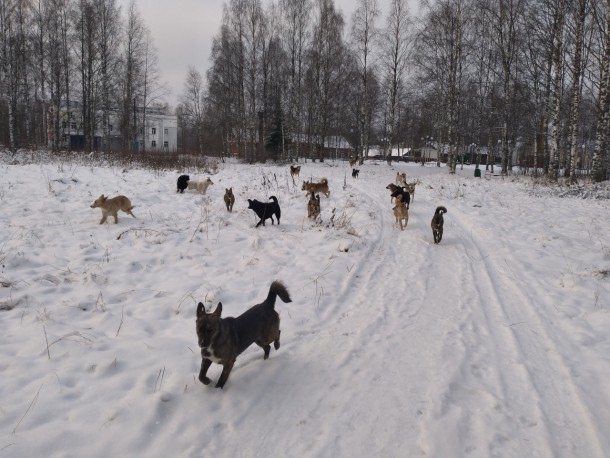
(411, 188)
(437, 224)
(401, 212)
(221, 340)
(393, 188)
(355, 173)
(406, 197)
(182, 184)
(295, 170)
(112, 206)
(229, 199)
(322, 187)
(265, 210)
(200, 186)
(401, 179)
(313, 206)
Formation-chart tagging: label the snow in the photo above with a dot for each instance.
(494, 343)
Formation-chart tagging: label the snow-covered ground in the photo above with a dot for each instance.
(496, 342)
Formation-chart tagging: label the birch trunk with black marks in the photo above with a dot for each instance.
(600, 155)
(576, 87)
(555, 105)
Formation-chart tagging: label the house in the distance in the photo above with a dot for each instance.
(158, 135)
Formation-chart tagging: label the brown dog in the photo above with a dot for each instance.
(222, 339)
(401, 212)
(294, 171)
(437, 223)
(322, 187)
(112, 206)
(313, 206)
(229, 199)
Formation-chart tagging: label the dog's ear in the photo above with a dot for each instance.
(218, 310)
(200, 310)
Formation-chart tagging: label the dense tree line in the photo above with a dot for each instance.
(523, 81)
(73, 56)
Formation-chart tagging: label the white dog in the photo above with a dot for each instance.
(200, 186)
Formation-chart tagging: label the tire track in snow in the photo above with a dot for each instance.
(529, 370)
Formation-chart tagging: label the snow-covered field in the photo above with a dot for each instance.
(496, 342)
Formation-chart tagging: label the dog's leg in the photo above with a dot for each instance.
(116, 217)
(267, 349)
(226, 370)
(205, 365)
(276, 342)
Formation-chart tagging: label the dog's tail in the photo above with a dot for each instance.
(273, 198)
(277, 289)
(440, 209)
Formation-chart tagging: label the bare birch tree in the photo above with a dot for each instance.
(394, 54)
(581, 13)
(364, 33)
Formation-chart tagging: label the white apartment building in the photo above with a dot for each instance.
(159, 135)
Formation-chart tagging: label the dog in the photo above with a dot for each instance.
(221, 340)
(112, 206)
(355, 173)
(437, 223)
(353, 162)
(411, 188)
(313, 206)
(393, 188)
(322, 187)
(406, 197)
(183, 181)
(265, 210)
(200, 186)
(229, 199)
(401, 212)
(401, 179)
(294, 171)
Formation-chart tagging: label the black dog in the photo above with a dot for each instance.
(406, 197)
(221, 340)
(355, 173)
(183, 182)
(437, 224)
(265, 210)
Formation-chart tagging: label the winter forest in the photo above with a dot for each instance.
(520, 82)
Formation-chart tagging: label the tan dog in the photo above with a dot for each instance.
(322, 187)
(112, 206)
(401, 179)
(393, 188)
(401, 212)
(200, 186)
(313, 206)
(294, 171)
(411, 188)
(229, 199)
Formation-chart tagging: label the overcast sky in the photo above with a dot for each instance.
(183, 31)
